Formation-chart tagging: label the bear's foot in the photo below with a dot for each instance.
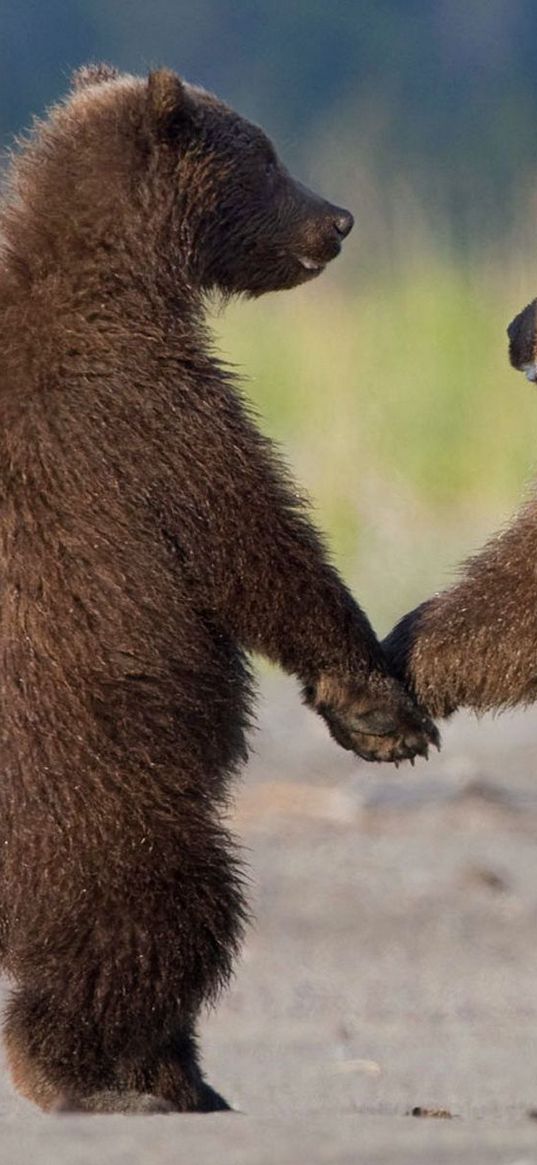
(110, 1101)
(130, 1101)
(211, 1101)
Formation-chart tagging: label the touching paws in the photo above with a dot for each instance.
(419, 655)
(378, 721)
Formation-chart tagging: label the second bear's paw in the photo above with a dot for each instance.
(378, 722)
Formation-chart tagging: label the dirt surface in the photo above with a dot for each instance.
(392, 965)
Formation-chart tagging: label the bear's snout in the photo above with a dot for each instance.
(343, 222)
(332, 226)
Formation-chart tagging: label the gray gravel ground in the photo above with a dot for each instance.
(393, 964)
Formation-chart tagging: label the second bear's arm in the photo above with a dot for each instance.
(475, 645)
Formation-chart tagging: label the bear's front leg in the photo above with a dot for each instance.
(264, 580)
(475, 645)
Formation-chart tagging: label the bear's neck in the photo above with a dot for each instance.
(80, 218)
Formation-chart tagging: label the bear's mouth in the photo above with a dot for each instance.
(313, 266)
(530, 371)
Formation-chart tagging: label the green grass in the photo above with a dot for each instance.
(398, 412)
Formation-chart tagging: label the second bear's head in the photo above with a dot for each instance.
(235, 218)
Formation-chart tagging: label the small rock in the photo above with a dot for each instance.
(435, 1113)
(488, 878)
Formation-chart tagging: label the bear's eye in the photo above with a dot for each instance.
(270, 167)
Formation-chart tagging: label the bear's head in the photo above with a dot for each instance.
(522, 333)
(253, 228)
(236, 219)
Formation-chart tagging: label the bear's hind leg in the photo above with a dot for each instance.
(171, 1081)
(33, 1040)
(76, 1075)
(102, 1018)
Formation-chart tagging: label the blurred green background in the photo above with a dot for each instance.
(386, 381)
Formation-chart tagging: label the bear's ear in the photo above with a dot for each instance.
(93, 75)
(169, 104)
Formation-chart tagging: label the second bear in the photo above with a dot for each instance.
(474, 645)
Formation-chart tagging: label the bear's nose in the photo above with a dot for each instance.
(343, 222)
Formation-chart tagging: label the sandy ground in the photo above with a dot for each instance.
(392, 965)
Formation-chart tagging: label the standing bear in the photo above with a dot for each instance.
(474, 645)
(150, 538)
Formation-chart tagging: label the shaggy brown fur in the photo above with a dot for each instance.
(475, 645)
(149, 537)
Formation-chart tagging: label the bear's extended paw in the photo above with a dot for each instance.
(378, 721)
(417, 650)
(398, 646)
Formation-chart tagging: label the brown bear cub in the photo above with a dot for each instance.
(150, 538)
(475, 644)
